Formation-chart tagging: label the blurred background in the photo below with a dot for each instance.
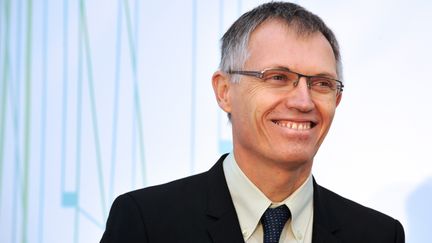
(98, 98)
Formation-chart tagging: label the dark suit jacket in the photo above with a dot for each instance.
(199, 209)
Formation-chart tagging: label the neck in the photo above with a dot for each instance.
(276, 179)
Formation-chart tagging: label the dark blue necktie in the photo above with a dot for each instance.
(273, 221)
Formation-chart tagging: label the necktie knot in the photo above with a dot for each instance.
(273, 221)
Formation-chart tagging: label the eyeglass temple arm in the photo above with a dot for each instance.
(248, 73)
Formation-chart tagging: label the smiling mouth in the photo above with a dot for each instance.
(300, 126)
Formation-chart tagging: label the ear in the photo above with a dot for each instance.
(338, 99)
(221, 87)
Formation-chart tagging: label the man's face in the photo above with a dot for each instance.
(287, 127)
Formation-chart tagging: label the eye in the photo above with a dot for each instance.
(321, 83)
(277, 77)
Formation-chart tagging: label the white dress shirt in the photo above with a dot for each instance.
(250, 204)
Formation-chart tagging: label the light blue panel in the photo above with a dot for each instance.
(225, 146)
(69, 199)
(420, 213)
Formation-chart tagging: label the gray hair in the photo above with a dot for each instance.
(235, 40)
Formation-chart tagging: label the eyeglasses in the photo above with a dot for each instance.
(286, 79)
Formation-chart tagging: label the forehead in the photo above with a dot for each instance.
(275, 43)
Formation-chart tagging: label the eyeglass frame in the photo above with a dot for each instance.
(260, 75)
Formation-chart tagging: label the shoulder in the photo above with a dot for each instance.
(191, 188)
(354, 219)
(146, 215)
(348, 208)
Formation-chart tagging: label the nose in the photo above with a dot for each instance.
(299, 97)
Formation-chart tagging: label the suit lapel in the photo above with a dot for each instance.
(325, 223)
(222, 222)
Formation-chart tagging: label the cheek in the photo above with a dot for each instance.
(250, 101)
(327, 111)
(261, 104)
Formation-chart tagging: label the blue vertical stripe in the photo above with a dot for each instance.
(65, 97)
(134, 145)
(136, 76)
(17, 191)
(136, 91)
(78, 124)
(116, 98)
(134, 170)
(43, 124)
(136, 29)
(15, 110)
(15, 103)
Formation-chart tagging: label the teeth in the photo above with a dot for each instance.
(294, 125)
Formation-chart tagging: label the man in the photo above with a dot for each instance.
(279, 82)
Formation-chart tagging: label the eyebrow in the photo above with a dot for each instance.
(322, 74)
(326, 75)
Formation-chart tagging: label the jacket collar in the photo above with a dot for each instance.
(325, 223)
(222, 222)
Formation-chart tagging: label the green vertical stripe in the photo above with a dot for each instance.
(130, 37)
(136, 89)
(116, 103)
(27, 120)
(3, 93)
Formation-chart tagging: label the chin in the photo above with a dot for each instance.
(295, 160)
(295, 153)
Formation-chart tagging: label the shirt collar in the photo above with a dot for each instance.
(250, 203)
